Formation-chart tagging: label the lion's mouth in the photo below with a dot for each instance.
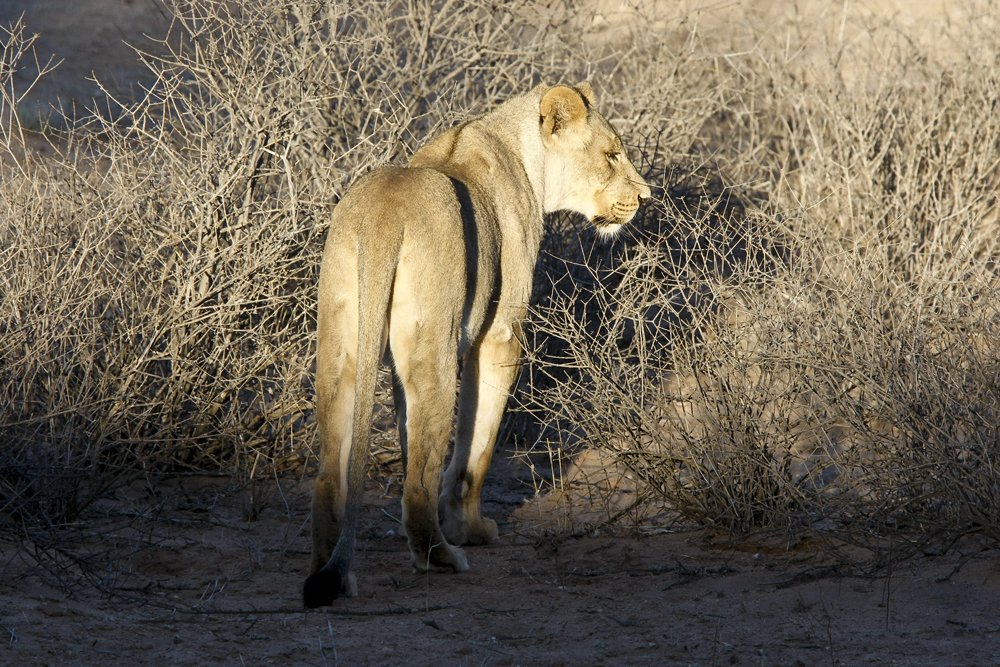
(607, 226)
(617, 215)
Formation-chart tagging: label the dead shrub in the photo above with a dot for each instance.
(802, 337)
(158, 271)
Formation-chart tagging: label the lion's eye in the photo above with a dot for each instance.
(612, 157)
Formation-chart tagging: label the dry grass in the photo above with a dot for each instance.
(800, 335)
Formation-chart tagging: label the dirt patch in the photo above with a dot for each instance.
(198, 584)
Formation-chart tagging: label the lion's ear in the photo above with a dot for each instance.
(587, 91)
(564, 115)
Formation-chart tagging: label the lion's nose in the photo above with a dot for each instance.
(645, 194)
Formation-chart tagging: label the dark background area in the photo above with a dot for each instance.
(94, 39)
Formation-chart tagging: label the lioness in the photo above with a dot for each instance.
(437, 260)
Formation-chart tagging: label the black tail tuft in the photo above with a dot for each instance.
(321, 589)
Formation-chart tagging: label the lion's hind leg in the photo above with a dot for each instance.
(425, 356)
(430, 405)
(335, 417)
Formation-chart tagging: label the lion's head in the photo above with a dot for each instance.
(586, 169)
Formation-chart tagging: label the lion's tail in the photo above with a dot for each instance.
(377, 262)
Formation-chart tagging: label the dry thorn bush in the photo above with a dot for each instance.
(799, 337)
(158, 272)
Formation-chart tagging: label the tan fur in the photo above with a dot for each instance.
(436, 259)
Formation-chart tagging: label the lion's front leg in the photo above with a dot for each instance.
(486, 380)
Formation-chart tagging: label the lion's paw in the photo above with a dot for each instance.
(442, 556)
(473, 532)
(482, 532)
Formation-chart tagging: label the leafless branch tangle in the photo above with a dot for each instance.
(799, 338)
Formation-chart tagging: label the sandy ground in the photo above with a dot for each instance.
(197, 584)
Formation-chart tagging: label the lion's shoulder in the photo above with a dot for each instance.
(438, 151)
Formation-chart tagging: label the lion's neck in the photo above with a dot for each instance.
(532, 150)
(516, 122)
